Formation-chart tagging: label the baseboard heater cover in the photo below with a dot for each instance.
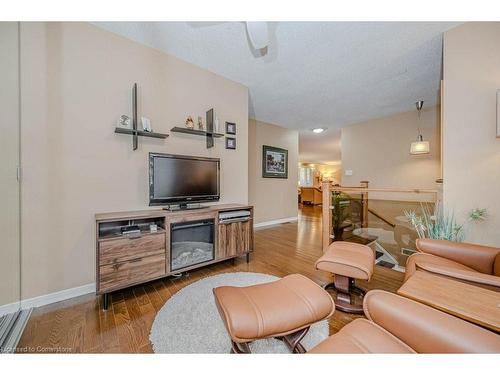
(11, 329)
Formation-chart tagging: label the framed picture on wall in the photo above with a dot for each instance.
(230, 143)
(498, 113)
(274, 162)
(230, 128)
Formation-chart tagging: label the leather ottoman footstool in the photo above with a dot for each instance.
(284, 309)
(347, 261)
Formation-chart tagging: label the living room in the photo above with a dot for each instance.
(288, 182)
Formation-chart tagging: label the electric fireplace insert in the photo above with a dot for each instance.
(191, 243)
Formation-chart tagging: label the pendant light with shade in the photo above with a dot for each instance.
(420, 146)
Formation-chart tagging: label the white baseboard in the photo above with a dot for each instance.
(47, 299)
(57, 296)
(275, 222)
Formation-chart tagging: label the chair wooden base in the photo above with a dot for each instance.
(292, 341)
(347, 291)
(240, 348)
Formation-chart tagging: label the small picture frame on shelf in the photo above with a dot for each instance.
(230, 143)
(146, 124)
(230, 128)
(124, 122)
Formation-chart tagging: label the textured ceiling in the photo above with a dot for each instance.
(314, 74)
(321, 148)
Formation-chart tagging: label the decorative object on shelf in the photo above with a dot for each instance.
(189, 123)
(231, 143)
(146, 124)
(274, 162)
(230, 128)
(133, 131)
(153, 228)
(200, 123)
(420, 146)
(209, 134)
(124, 122)
(498, 113)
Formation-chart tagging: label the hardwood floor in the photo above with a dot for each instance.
(80, 324)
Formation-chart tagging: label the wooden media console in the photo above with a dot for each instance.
(184, 240)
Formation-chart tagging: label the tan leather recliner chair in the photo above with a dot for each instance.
(399, 325)
(475, 264)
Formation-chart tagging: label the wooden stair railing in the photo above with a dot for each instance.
(364, 190)
(374, 213)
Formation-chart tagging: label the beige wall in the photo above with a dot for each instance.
(9, 160)
(471, 152)
(379, 151)
(76, 82)
(273, 198)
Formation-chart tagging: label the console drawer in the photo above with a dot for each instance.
(124, 249)
(118, 275)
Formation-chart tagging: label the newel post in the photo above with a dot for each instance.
(327, 214)
(364, 204)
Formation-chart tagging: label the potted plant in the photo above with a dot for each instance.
(440, 224)
(341, 203)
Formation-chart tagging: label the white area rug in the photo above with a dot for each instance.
(190, 323)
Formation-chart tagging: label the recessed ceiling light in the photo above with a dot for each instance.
(318, 130)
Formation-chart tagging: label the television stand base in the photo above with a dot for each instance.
(181, 207)
(151, 256)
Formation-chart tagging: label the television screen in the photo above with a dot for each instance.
(182, 179)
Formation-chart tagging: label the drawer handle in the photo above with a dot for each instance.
(118, 265)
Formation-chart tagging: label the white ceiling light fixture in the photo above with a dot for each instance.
(258, 33)
(318, 130)
(419, 147)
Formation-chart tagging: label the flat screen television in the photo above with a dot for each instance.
(178, 179)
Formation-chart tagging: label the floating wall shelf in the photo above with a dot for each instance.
(209, 134)
(134, 132)
(178, 129)
(141, 133)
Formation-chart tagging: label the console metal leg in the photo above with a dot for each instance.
(105, 301)
(248, 257)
